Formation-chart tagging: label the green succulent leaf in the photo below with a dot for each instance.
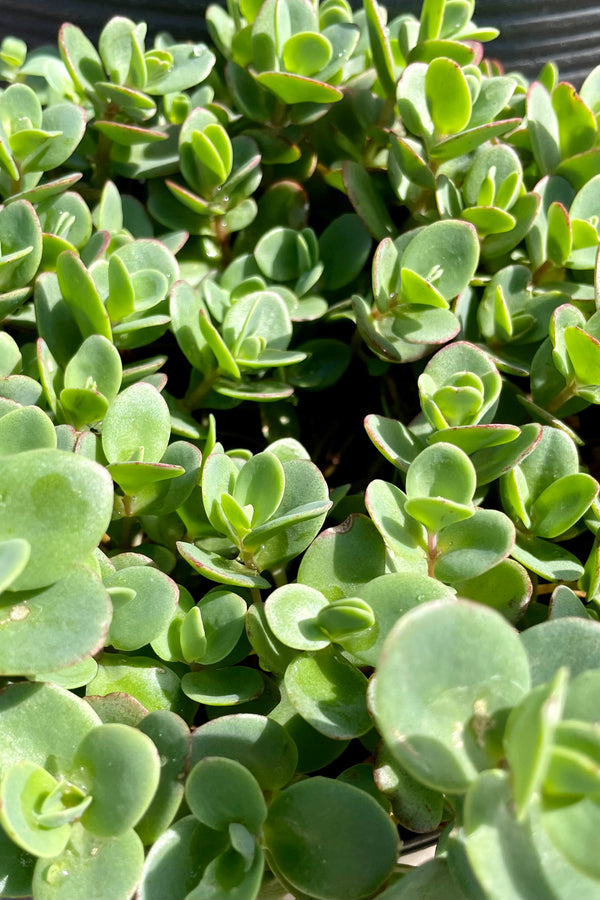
(261, 745)
(116, 757)
(356, 839)
(225, 686)
(42, 722)
(37, 627)
(24, 789)
(527, 858)
(144, 610)
(115, 863)
(329, 692)
(220, 791)
(74, 499)
(440, 484)
(468, 548)
(292, 611)
(137, 426)
(528, 737)
(152, 684)
(448, 96)
(439, 719)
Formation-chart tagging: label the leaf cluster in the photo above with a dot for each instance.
(225, 671)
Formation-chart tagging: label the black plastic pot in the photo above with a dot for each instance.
(532, 31)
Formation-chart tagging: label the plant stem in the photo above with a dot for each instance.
(193, 399)
(431, 552)
(562, 397)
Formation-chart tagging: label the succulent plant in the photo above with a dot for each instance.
(248, 647)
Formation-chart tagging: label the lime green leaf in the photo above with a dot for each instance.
(306, 53)
(23, 791)
(448, 96)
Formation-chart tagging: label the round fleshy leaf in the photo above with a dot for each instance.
(445, 671)
(82, 406)
(55, 626)
(223, 618)
(573, 829)
(168, 494)
(73, 676)
(329, 692)
(107, 869)
(256, 742)
(42, 722)
(21, 243)
(306, 53)
(562, 503)
(342, 620)
(273, 656)
(26, 428)
(330, 839)
(441, 471)
(291, 612)
(139, 618)
(283, 254)
(573, 770)
(440, 484)
(220, 791)
(147, 680)
(454, 249)
(72, 498)
(119, 767)
(23, 791)
(137, 426)
(140, 477)
(469, 548)
(344, 558)
(226, 686)
(344, 248)
(404, 536)
(96, 365)
(117, 708)
(315, 750)
(505, 587)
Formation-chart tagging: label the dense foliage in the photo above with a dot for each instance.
(244, 649)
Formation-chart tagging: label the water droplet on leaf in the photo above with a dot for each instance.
(55, 874)
(19, 612)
